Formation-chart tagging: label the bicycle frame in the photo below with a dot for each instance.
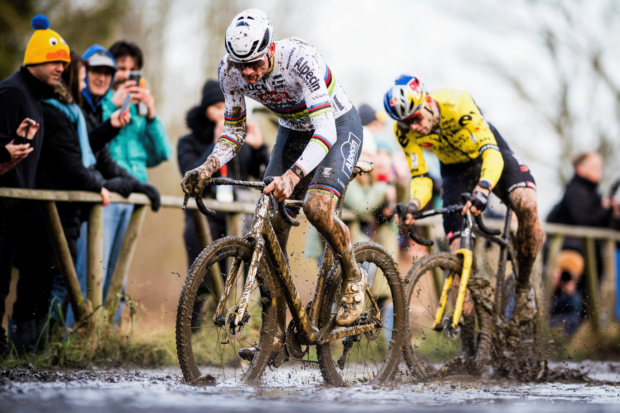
(265, 240)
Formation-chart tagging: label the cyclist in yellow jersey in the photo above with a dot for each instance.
(474, 158)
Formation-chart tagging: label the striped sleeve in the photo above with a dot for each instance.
(233, 136)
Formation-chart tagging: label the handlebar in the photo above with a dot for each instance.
(403, 210)
(248, 184)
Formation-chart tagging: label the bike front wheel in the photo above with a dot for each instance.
(422, 296)
(208, 352)
(370, 357)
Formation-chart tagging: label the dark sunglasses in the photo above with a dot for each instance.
(258, 64)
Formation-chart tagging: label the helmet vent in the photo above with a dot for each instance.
(242, 24)
(265, 41)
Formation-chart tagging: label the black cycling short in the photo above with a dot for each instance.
(463, 177)
(333, 173)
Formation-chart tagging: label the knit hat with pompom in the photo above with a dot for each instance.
(45, 45)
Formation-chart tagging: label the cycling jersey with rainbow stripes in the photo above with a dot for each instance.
(300, 89)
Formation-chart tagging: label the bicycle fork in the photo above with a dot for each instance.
(466, 253)
(257, 225)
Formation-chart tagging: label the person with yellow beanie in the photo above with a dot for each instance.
(20, 100)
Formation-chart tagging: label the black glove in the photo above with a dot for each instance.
(123, 186)
(479, 200)
(150, 191)
(403, 210)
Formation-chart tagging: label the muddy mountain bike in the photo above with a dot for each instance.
(213, 326)
(436, 325)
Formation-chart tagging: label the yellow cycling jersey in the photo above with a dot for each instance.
(463, 135)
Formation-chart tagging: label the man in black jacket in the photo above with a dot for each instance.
(582, 205)
(20, 98)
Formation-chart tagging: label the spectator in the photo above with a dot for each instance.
(566, 300)
(206, 122)
(20, 99)
(582, 205)
(66, 163)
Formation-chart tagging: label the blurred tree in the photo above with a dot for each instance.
(145, 23)
(578, 42)
(218, 16)
(81, 23)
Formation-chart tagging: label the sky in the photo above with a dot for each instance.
(367, 44)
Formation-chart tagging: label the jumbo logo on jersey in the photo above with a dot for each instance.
(352, 146)
(303, 70)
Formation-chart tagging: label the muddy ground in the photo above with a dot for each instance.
(29, 390)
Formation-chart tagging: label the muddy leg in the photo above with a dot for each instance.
(319, 209)
(529, 234)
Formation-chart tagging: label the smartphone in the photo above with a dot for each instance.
(135, 75)
(19, 140)
(125, 103)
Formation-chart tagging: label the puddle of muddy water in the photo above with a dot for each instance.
(161, 390)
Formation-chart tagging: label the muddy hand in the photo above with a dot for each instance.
(282, 186)
(194, 181)
(477, 202)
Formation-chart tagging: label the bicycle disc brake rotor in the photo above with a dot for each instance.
(293, 345)
(233, 331)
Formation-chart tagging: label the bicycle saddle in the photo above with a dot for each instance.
(364, 167)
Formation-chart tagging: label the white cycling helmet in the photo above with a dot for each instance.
(249, 35)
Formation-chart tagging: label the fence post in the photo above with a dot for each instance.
(609, 281)
(555, 246)
(206, 239)
(94, 280)
(234, 226)
(63, 255)
(124, 260)
(591, 272)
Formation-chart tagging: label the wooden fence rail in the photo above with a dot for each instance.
(555, 234)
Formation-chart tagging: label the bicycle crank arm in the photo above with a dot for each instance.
(467, 262)
(249, 282)
(442, 302)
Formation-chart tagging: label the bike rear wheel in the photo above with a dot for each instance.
(207, 352)
(372, 357)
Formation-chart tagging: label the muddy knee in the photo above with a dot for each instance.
(319, 208)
